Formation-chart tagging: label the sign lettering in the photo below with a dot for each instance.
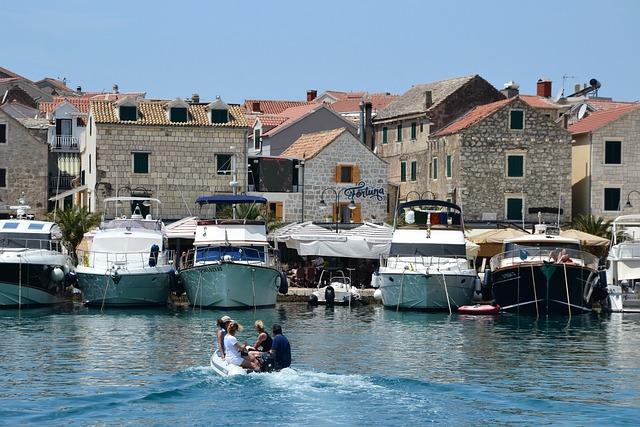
(363, 191)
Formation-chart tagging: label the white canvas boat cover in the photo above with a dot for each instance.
(182, 229)
(628, 269)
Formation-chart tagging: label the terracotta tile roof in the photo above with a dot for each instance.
(473, 117)
(270, 106)
(310, 144)
(605, 104)
(110, 96)
(82, 104)
(154, 113)
(55, 83)
(413, 101)
(293, 114)
(351, 104)
(4, 72)
(598, 119)
(270, 120)
(540, 102)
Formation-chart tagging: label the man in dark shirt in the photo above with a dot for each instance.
(280, 348)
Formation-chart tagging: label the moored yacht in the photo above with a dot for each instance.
(545, 273)
(127, 264)
(32, 265)
(427, 266)
(623, 265)
(232, 266)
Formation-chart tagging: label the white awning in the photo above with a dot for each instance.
(67, 193)
(182, 229)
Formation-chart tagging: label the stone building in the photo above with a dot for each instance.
(333, 159)
(23, 159)
(606, 160)
(501, 161)
(171, 150)
(402, 129)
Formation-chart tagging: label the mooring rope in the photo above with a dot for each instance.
(566, 285)
(535, 294)
(253, 286)
(19, 282)
(107, 274)
(400, 292)
(195, 299)
(446, 291)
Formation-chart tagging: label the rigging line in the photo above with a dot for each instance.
(20, 283)
(535, 295)
(566, 285)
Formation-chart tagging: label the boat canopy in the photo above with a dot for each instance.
(229, 198)
(429, 202)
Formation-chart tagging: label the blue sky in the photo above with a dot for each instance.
(279, 49)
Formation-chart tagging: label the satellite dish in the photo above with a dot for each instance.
(582, 111)
(595, 84)
(559, 96)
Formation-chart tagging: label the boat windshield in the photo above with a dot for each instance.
(244, 253)
(431, 249)
(130, 223)
(533, 247)
(27, 240)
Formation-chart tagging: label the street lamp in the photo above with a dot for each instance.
(323, 204)
(628, 204)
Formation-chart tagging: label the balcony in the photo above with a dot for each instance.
(65, 143)
(65, 183)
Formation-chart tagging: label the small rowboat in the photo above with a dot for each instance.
(479, 309)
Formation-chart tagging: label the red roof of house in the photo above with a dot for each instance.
(293, 114)
(310, 144)
(539, 101)
(605, 104)
(82, 104)
(270, 106)
(473, 117)
(598, 119)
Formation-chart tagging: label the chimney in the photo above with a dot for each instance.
(543, 88)
(511, 89)
(428, 100)
(115, 88)
(255, 107)
(311, 95)
(79, 89)
(368, 126)
(195, 98)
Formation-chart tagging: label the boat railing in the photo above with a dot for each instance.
(222, 253)
(540, 255)
(124, 260)
(22, 243)
(628, 250)
(418, 262)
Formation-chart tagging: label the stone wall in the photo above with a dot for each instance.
(480, 183)
(25, 157)
(181, 162)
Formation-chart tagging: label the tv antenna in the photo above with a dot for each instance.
(564, 79)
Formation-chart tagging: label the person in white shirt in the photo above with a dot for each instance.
(233, 349)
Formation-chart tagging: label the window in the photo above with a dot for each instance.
(421, 127)
(515, 165)
(90, 125)
(612, 152)
(224, 164)
(257, 142)
(516, 119)
(344, 215)
(178, 115)
(611, 199)
(434, 168)
(64, 127)
(449, 166)
(403, 171)
(3, 133)
(414, 130)
(347, 173)
(514, 208)
(82, 174)
(276, 211)
(414, 170)
(219, 116)
(3, 178)
(128, 113)
(140, 162)
(384, 135)
(399, 133)
(89, 163)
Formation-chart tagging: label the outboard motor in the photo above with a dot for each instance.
(600, 289)
(329, 295)
(283, 287)
(313, 300)
(487, 283)
(267, 364)
(153, 255)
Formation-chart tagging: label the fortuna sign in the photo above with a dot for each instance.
(361, 190)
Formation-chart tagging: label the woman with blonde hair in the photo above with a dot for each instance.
(263, 342)
(233, 349)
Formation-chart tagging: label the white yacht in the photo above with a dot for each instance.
(127, 264)
(623, 265)
(427, 266)
(232, 266)
(33, 268)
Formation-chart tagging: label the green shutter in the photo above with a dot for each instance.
(399, 133)
(384, 135)
(414, 127)
(515, 166)
(403, 171)
(3, 178)
(517, 119)
(435, 168)
(449, 171)
(514, 209)
(414, 171)
(140, 162)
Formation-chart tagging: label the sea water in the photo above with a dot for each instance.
(358, 366)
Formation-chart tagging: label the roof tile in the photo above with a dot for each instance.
(270, 106)
(310, 144)
(598, 119)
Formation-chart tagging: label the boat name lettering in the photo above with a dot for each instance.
(362, 190)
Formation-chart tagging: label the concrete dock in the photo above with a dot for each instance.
(302, 295)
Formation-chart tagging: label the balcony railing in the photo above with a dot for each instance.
(66, 182)
(65, 143)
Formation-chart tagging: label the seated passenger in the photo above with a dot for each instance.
(222, 323)
(263, 342)
(280, 349)
(233, 349)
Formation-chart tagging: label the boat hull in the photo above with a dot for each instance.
(12, 295)
(541, 288)
(230, 285)
(145, 287)
(620, 300)
(424, 291)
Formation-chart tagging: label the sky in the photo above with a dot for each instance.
(279, 49)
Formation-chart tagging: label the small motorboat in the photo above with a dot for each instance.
(479, 309)
(226, 369)
(339, 291)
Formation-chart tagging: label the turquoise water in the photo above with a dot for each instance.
(354, 367)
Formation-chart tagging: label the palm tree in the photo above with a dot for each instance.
(592, 225)
(74, 222)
